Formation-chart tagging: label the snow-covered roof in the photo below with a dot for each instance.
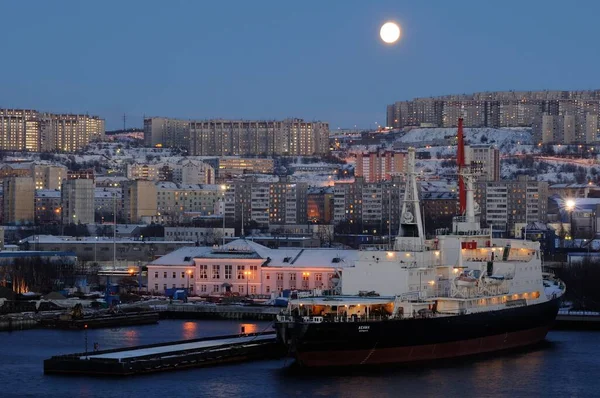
(47, 193)
(182, 256)
(285, 257)
(91, 239)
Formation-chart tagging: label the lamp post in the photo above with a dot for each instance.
(189, 272)
(223, 188)
(131, 273)
(570, 206)
(247, 275)
(95, 243)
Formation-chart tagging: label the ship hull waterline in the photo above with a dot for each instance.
(417, 340)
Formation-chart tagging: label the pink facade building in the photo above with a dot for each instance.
(246, 268)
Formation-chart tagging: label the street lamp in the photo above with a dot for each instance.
(131, 272)
(570, 206)
(223, 188)
(247, 275)
(189, 272)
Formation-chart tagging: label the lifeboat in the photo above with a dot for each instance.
(466, 281)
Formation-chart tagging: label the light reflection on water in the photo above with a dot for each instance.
(189, 330)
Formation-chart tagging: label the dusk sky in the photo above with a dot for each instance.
(317, 60)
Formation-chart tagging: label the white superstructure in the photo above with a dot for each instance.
(463, 270)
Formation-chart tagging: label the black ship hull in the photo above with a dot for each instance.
(416, 339)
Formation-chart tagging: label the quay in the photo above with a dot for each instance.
(168, 356)
(577, 320)
(215, 312)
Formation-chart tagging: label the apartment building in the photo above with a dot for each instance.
(48, 206)
(505, 203)
(139, 200)
(484, 161)
(161, 131)
(373, 206)
(30, 130)
(181, 200)
(287, 203)
(239, 137)
(319, 205)
(19, 200)
(185, 171)
(556, 116)
(375, 166)
(47, 176)
(231, 166)
(77, 196)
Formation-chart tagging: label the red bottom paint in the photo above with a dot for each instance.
(423, 352)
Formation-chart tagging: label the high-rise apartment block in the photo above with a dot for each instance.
(556, 116)
(239, 137)
(375, 166)
(505, 203)
(77, 195)
(48, 176)
(185, 171)
(319, 205)
(484, 161)
(139, 200)
(287, 203)
(30, 130)
(175, 201)
(372, 205)
(161, 131)
(19, 199)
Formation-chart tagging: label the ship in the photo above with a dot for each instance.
(462, 293)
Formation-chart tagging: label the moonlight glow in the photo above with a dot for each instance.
(390, 32)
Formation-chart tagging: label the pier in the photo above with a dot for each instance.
(168, 356)
(192, 311)
(577, 320)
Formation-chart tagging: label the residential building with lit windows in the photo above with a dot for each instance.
(176, 200)
(77, 196)
(218, 137)
(245, 267)
(139, 200)
(505, 203)
(30, 130)
(375, 166)
(48, 206)
(48, 176)
(231, 166)
(555, 116)
(19, 200)
(484, 161)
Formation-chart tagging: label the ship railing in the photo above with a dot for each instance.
(331, 318)
(377, 247)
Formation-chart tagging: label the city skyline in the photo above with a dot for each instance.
(338, 70)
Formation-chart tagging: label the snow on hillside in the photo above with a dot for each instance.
(506, 139)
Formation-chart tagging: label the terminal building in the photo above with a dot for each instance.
(244, 267)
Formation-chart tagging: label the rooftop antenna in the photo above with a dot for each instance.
(124, 121)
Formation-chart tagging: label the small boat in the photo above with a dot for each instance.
(494, 279)
(466, 281)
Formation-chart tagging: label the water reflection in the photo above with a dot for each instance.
(189, 330)
(249, 328)
(131, 337)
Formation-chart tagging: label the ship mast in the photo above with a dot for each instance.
(410, 235)
(467, 220)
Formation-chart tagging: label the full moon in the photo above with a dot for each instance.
(389, 32)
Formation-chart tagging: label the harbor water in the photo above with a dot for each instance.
(565, 365)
